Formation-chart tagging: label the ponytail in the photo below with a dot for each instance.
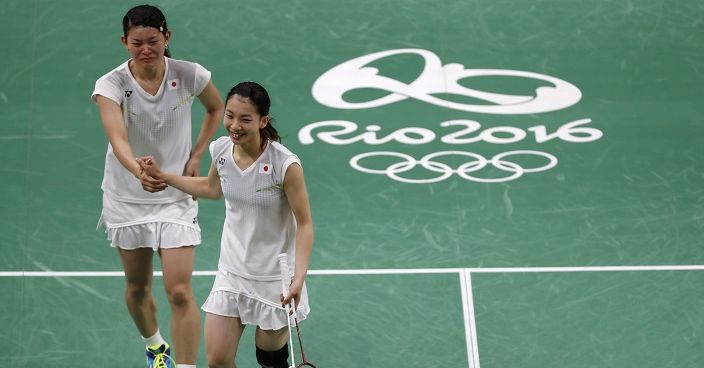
(269, 133)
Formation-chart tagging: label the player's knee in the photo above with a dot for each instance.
(218, 355)
(179, 295)
(218, 362)
(137, 292)
(273, 359)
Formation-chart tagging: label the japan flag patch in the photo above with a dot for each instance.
(173, 84)
(265, 168)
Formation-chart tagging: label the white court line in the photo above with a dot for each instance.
(509, 270)
(470, 327)
(465, 275)
(408, 271)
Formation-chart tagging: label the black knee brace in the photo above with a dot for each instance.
(273, 359)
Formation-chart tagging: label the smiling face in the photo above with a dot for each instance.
(242, 121)
(146, 45)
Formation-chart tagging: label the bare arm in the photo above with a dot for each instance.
(198, 186)
(297, 195)
(214, 109)
(114, 125)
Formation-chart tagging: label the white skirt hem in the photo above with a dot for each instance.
(251, 310)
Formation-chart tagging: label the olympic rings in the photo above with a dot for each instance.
(479, 162)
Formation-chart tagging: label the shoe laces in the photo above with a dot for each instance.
(161, 360)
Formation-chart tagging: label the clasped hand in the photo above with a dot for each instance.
(150, 175)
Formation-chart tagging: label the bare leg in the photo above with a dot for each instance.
(177, 264)
(222, 337)
(138, 290)
(271, 340)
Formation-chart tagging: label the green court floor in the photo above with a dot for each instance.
(493, 183)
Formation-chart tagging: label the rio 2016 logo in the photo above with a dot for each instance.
(434, 79)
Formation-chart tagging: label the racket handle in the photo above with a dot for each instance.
(285, 276)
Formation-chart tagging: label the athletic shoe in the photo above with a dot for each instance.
(159, 356)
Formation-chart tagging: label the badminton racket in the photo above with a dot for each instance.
(285, 284)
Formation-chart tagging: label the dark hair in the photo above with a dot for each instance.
(145, 16)
(260, 99)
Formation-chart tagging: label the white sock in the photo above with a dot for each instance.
(185, 366)
(154, 340)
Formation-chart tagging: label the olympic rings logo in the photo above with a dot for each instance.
(434, 80)
(464, 170)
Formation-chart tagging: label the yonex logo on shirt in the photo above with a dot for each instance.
(128, 93)
(221, 161)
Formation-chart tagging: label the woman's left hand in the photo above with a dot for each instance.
(192, 167)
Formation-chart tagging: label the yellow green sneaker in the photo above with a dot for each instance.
(159, 356)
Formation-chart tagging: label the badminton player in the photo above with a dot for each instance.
(145, 107)
(267, 213)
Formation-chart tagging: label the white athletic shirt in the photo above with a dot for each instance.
(259, 223)
(158, 125)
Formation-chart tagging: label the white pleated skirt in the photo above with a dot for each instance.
(253, 302)
(163, 225)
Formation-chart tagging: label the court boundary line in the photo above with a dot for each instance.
(465, 276)
(381, 271)
(470, 326)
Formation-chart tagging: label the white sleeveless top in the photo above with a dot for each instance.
(259, 223)
(158, 125)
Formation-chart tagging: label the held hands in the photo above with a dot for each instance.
(150, 175)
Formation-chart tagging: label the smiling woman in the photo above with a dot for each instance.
(267, 218)
(145, 106)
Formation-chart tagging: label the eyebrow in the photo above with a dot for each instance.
(152, 38)
(232, 113)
